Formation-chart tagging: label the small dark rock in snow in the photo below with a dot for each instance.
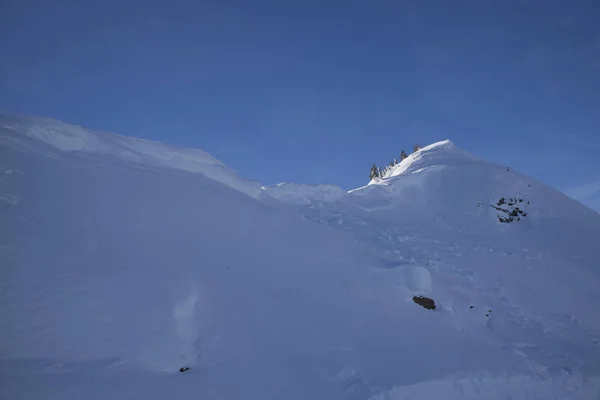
(183, 369)
(470, 306)
(425, 302)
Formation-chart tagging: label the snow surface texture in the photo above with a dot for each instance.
(293, 193)
(124, 260)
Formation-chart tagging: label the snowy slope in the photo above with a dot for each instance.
(432, 217)
(70, 138)
(121, 265)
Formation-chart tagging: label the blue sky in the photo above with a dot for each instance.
(316, 91)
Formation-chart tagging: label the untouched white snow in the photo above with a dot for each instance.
(437, 155)
(121, 263)
(294, 193)
(70, 138)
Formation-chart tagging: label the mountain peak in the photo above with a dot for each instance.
(439, 154)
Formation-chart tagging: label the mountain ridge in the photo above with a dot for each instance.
(66, 137)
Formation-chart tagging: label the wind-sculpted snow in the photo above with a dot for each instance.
(69, 138)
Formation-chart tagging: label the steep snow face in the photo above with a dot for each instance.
(293, 193)
(70, 138)
(117, 271)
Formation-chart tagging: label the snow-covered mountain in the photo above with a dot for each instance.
(123, 260)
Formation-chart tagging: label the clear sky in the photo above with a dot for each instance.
(316, 91)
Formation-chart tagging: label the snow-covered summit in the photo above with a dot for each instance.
(71, 138)
(437, 155)
(435, 176)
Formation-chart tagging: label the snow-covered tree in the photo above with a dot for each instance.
(373, 173)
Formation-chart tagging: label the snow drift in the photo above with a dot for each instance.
(293, 193)
(124, 260)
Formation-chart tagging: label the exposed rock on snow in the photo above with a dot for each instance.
(424, 302)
